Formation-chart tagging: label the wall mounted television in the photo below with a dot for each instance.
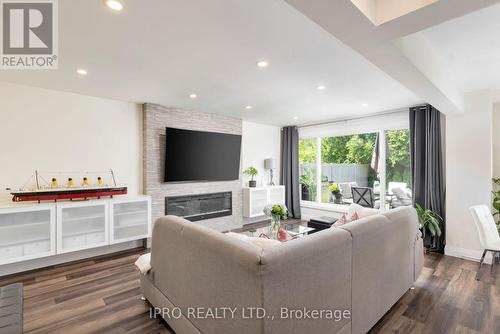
(201, 156)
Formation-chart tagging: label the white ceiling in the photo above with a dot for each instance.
(160, 51)
(469, 47)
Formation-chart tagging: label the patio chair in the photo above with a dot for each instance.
(402, 198)
(376, 188)
(393, 185)
(364, 197)
(345, 189)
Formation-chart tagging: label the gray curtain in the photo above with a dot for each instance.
(289, 176)
(427, 165)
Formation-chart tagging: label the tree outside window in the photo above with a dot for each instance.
(346, 160)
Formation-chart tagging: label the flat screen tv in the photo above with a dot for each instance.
(201, 156)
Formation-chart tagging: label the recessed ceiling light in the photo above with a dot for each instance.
(248, 107)
(321, 87)
(262, 63)
(81, 71)
(364, 104)
(193, 96)
(295, 117)
(114, 5)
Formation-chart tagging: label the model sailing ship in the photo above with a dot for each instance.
(52, 191)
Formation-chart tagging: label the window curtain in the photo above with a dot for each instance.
(427, 166)
(289, 176)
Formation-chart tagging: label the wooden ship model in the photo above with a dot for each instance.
(52, 191)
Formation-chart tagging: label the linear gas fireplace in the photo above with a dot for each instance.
(199, 207)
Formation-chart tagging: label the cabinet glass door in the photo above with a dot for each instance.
(26, 234)
(130, 220)
(82, 226)
(259, 201)
(277, 195)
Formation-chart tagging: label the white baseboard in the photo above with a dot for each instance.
(18, 267)
(468, 254)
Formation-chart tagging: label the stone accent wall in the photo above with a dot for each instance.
(156, 119)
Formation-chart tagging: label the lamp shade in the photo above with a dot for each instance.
(270, 163)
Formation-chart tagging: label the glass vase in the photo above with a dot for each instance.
(275, 227)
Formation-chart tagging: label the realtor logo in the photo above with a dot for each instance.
(29, 34)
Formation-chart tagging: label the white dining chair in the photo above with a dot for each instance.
(488, 233)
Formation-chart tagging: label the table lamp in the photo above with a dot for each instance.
(270, 164)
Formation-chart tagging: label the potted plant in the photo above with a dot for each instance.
(430, 224)
(308, 185)
(335, 190)
(496, 201)
(251, 171)
(276, 212)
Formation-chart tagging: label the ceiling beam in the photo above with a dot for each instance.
(379, 45)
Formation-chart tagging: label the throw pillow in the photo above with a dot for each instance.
(354, 217)
(342, 221)
(361, 211)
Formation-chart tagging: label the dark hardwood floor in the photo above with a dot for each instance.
(447, 299)
(102, 296)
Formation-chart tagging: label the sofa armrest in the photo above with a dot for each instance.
(196, 267)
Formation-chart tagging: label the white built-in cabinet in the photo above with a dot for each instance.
(33, 231)
(27, 233)
(255, 199)
(130, 219)
(82, 225)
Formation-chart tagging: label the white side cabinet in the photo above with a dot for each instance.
(276, 195)
(130, 219)
(82, 225)
(255, 199)
(30, 231)
(27, 232)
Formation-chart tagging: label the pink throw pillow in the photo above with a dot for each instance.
(342, 221)
(354, 216)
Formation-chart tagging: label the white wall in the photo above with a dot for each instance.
(57, 131)
(468, 172)
(260, 142)
(496, 140)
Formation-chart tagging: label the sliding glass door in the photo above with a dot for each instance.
(378, 163)
(308, 169)
(398, 170)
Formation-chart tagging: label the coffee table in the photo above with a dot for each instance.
(294, 230)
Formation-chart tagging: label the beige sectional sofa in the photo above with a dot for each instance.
(355, 273)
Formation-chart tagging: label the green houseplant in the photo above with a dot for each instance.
(251, 171)
(496, 201)
(429, 222)
(308, 185)
(334, 188)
